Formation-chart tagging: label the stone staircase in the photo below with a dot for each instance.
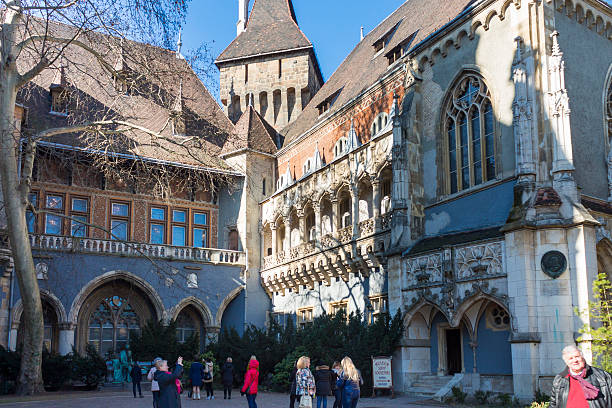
(427, 385)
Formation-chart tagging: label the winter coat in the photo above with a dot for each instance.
(136, 373)
(334, 378)
(349, 388)
(208, 368)
(196, 374)
(323, 380)
(169, 396)
(304, 382)
(154, 384)
(251, 378)
(597, 377)
(227, 374)
(292, 379)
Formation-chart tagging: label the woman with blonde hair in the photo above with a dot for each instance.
(349, 382)
(304, 382)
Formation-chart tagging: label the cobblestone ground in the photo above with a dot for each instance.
(115, 399)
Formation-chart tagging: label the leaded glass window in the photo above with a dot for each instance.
(112, 324)
(470, 135)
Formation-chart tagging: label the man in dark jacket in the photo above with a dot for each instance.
(227, 377)
(169, 384)
(323, 380)
(580, 385)
(136, 374)
(292, 395)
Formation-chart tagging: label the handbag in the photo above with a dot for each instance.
(207, 376)
(305, 401)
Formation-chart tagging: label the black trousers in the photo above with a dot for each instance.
(227, 391)
(134, 385)
(209, 389)
(293, 399)
(155, 399)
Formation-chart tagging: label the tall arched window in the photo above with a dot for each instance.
(470, 134)
(112, 324)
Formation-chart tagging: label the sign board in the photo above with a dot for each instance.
(382, 377)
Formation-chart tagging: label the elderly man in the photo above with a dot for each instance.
(580, 385)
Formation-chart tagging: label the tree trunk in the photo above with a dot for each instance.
(15, 200)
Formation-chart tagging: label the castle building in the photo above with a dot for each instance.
(456, 167)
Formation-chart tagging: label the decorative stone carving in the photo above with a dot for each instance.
(522, 110)
(472, 262)
(425, 269)
(169, 282)
(42, 271)
(192, 281)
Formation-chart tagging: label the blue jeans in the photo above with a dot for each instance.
(321, 398)
(251, 400)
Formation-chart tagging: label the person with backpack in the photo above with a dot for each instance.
(251, 381)
(323, 380)
(349, 382)
(227, 376)
(208, 379)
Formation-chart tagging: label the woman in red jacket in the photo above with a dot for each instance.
(251, 379)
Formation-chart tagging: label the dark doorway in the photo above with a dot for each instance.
(453, 351)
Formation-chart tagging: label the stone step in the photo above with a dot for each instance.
(420, 392)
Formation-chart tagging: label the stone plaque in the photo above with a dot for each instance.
(554, 264)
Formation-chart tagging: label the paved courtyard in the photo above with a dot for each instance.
(116, 399)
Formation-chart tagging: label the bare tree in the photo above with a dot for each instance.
(117, 104)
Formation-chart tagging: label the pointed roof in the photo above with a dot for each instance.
(252, 132)
(272, 27)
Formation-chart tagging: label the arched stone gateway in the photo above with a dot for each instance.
(192, 316)
(111, 309)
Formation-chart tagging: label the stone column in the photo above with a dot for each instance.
(355, 215)
(283, 117)
(287, 235)
(335, 215)
(302, 226)
(66, 338)
(297, 109)
(317, 212)
(376, 198)
(13, 341)
(274, 238)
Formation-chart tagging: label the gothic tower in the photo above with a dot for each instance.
(270, 61)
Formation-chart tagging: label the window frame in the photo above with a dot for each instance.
(195, 226)
(303, 323)
(457, 117)
(35, 217)
(155, 221)
(335, 307)
(59, 99)
(50, 211)
(127, 218)
(74, 213)
(375, 313)
(184, 224)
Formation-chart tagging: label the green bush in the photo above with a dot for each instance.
(55, 370)
(458, 395)
(541, 396)
(325, 340)
(88, 369)
(159, 340)
(10, 361)
(505, 400)
(482, 396)
(539, 404)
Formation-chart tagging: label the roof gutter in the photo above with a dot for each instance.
(145, 159)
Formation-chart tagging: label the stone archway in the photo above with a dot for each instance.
(110, 311)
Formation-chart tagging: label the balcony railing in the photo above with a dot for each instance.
(104, 246)
(341, 237)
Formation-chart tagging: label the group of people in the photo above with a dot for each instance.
(343, 382)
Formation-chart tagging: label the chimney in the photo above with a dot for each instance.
(361, 33)
(243, 14)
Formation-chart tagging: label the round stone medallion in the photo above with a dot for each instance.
(554, 264)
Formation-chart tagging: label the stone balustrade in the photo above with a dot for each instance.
(104, 246)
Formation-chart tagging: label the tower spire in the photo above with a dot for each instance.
(179, 44)
(243, 14)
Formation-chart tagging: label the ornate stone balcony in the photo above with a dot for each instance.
(104, 246)
(333, 256)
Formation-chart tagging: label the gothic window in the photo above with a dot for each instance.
(379, 123)
(497, 318)
(112, 324)
(470, 135)
(341, 147)
(50, 327)
(185, 327)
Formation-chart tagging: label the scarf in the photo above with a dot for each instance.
(177, 382)
(590, 391)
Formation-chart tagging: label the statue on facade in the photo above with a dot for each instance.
(125, 362)
(117, 374)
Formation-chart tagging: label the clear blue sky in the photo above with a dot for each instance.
(331, 25)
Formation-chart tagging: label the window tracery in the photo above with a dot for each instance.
(379, 123)
(112, 324)
(341, 147)
(470, 134)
